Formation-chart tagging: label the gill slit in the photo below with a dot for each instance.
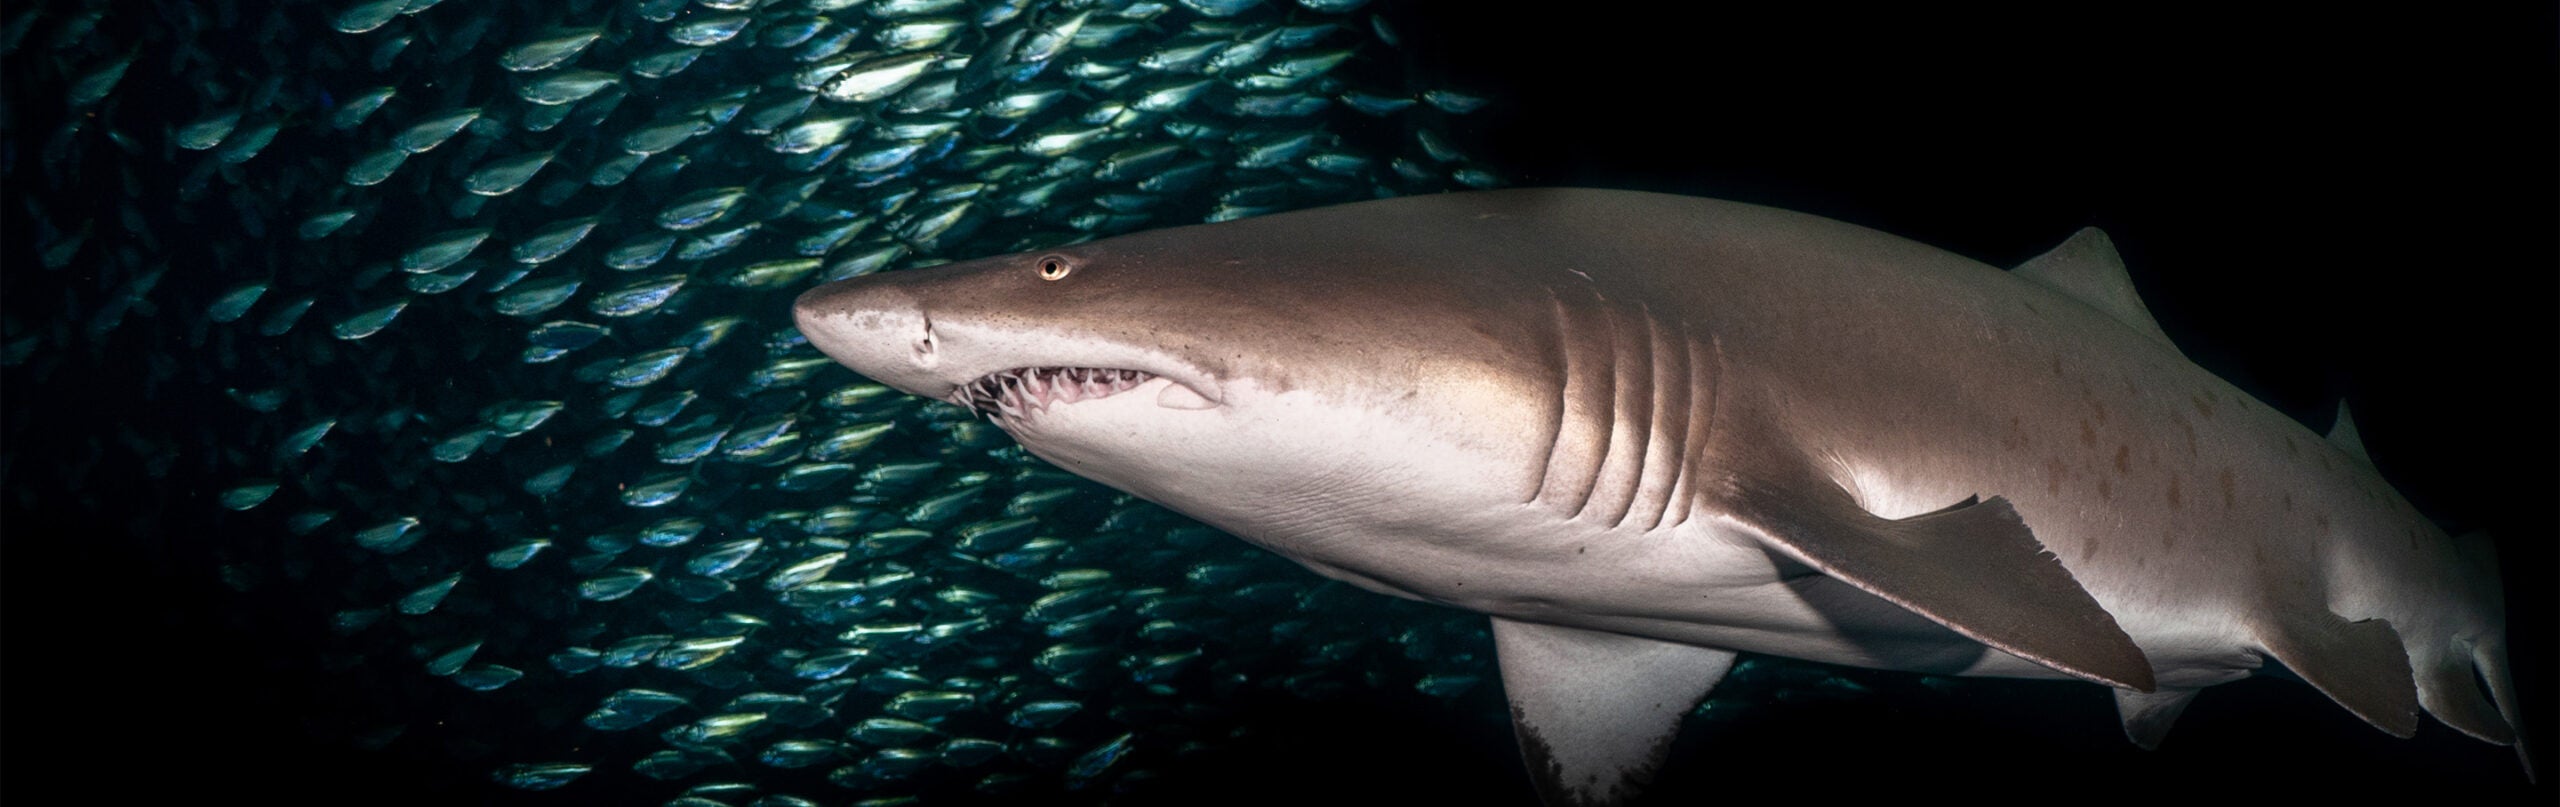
(1706, 365)
(1561, 351)
(1671, 420)
(1584, 402)
(1632, 350)
(1605, 401)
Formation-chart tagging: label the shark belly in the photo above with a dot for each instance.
(1691, 586)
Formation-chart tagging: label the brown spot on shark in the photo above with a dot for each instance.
(2097, 408)
(2124, 458)
(2088, 433)
(2230, 489)
(2173, 493)
(2015, 439)
(2204, 406)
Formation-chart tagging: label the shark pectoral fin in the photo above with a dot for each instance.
(1596, 711)
(2361, 665)
(2147, 715)
(1974, 568)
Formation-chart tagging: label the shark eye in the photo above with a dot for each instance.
(1053, 267)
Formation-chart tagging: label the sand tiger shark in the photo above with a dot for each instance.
(1643, 433)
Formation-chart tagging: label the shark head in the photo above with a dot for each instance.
(1217, 369)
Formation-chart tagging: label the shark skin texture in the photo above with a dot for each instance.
(1643, 433)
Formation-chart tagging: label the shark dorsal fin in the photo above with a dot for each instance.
(2085, 267)
(2343, 436)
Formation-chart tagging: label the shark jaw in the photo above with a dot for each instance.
(1009, 374)
(1015, 395)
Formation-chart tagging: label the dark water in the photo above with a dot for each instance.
(2314, 208)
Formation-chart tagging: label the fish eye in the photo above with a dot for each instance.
(1053, 267)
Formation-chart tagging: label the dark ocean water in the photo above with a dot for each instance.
(2315, 206)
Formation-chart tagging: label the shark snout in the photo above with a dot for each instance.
(879, 331)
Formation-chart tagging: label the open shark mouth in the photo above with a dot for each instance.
(1022, 390)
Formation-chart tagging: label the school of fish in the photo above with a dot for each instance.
(496, 301)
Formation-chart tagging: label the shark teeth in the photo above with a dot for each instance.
(1022, 390)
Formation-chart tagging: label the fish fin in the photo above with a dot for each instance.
(2492, 660)
(1976, 569)
(2360, 664)
(1595, 712)
(2147, 715)
(2449, 689)
(2343, 435)
(2485, 594)
(2085, 267)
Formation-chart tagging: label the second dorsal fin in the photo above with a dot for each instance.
(2343, 435)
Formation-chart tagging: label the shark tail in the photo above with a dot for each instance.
(2450, 663)
(2461, 655)
(2451, 677)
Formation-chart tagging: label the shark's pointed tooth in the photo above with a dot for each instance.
(2085, 267)
(1595, 712)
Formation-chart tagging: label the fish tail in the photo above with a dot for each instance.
(2461, 668)
(2484, 597)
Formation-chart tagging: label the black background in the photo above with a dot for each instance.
(2315, 204)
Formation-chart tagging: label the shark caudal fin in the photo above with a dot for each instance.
(2450, 669)
(2451, 663)
(2491, 658)
(2451, 677)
